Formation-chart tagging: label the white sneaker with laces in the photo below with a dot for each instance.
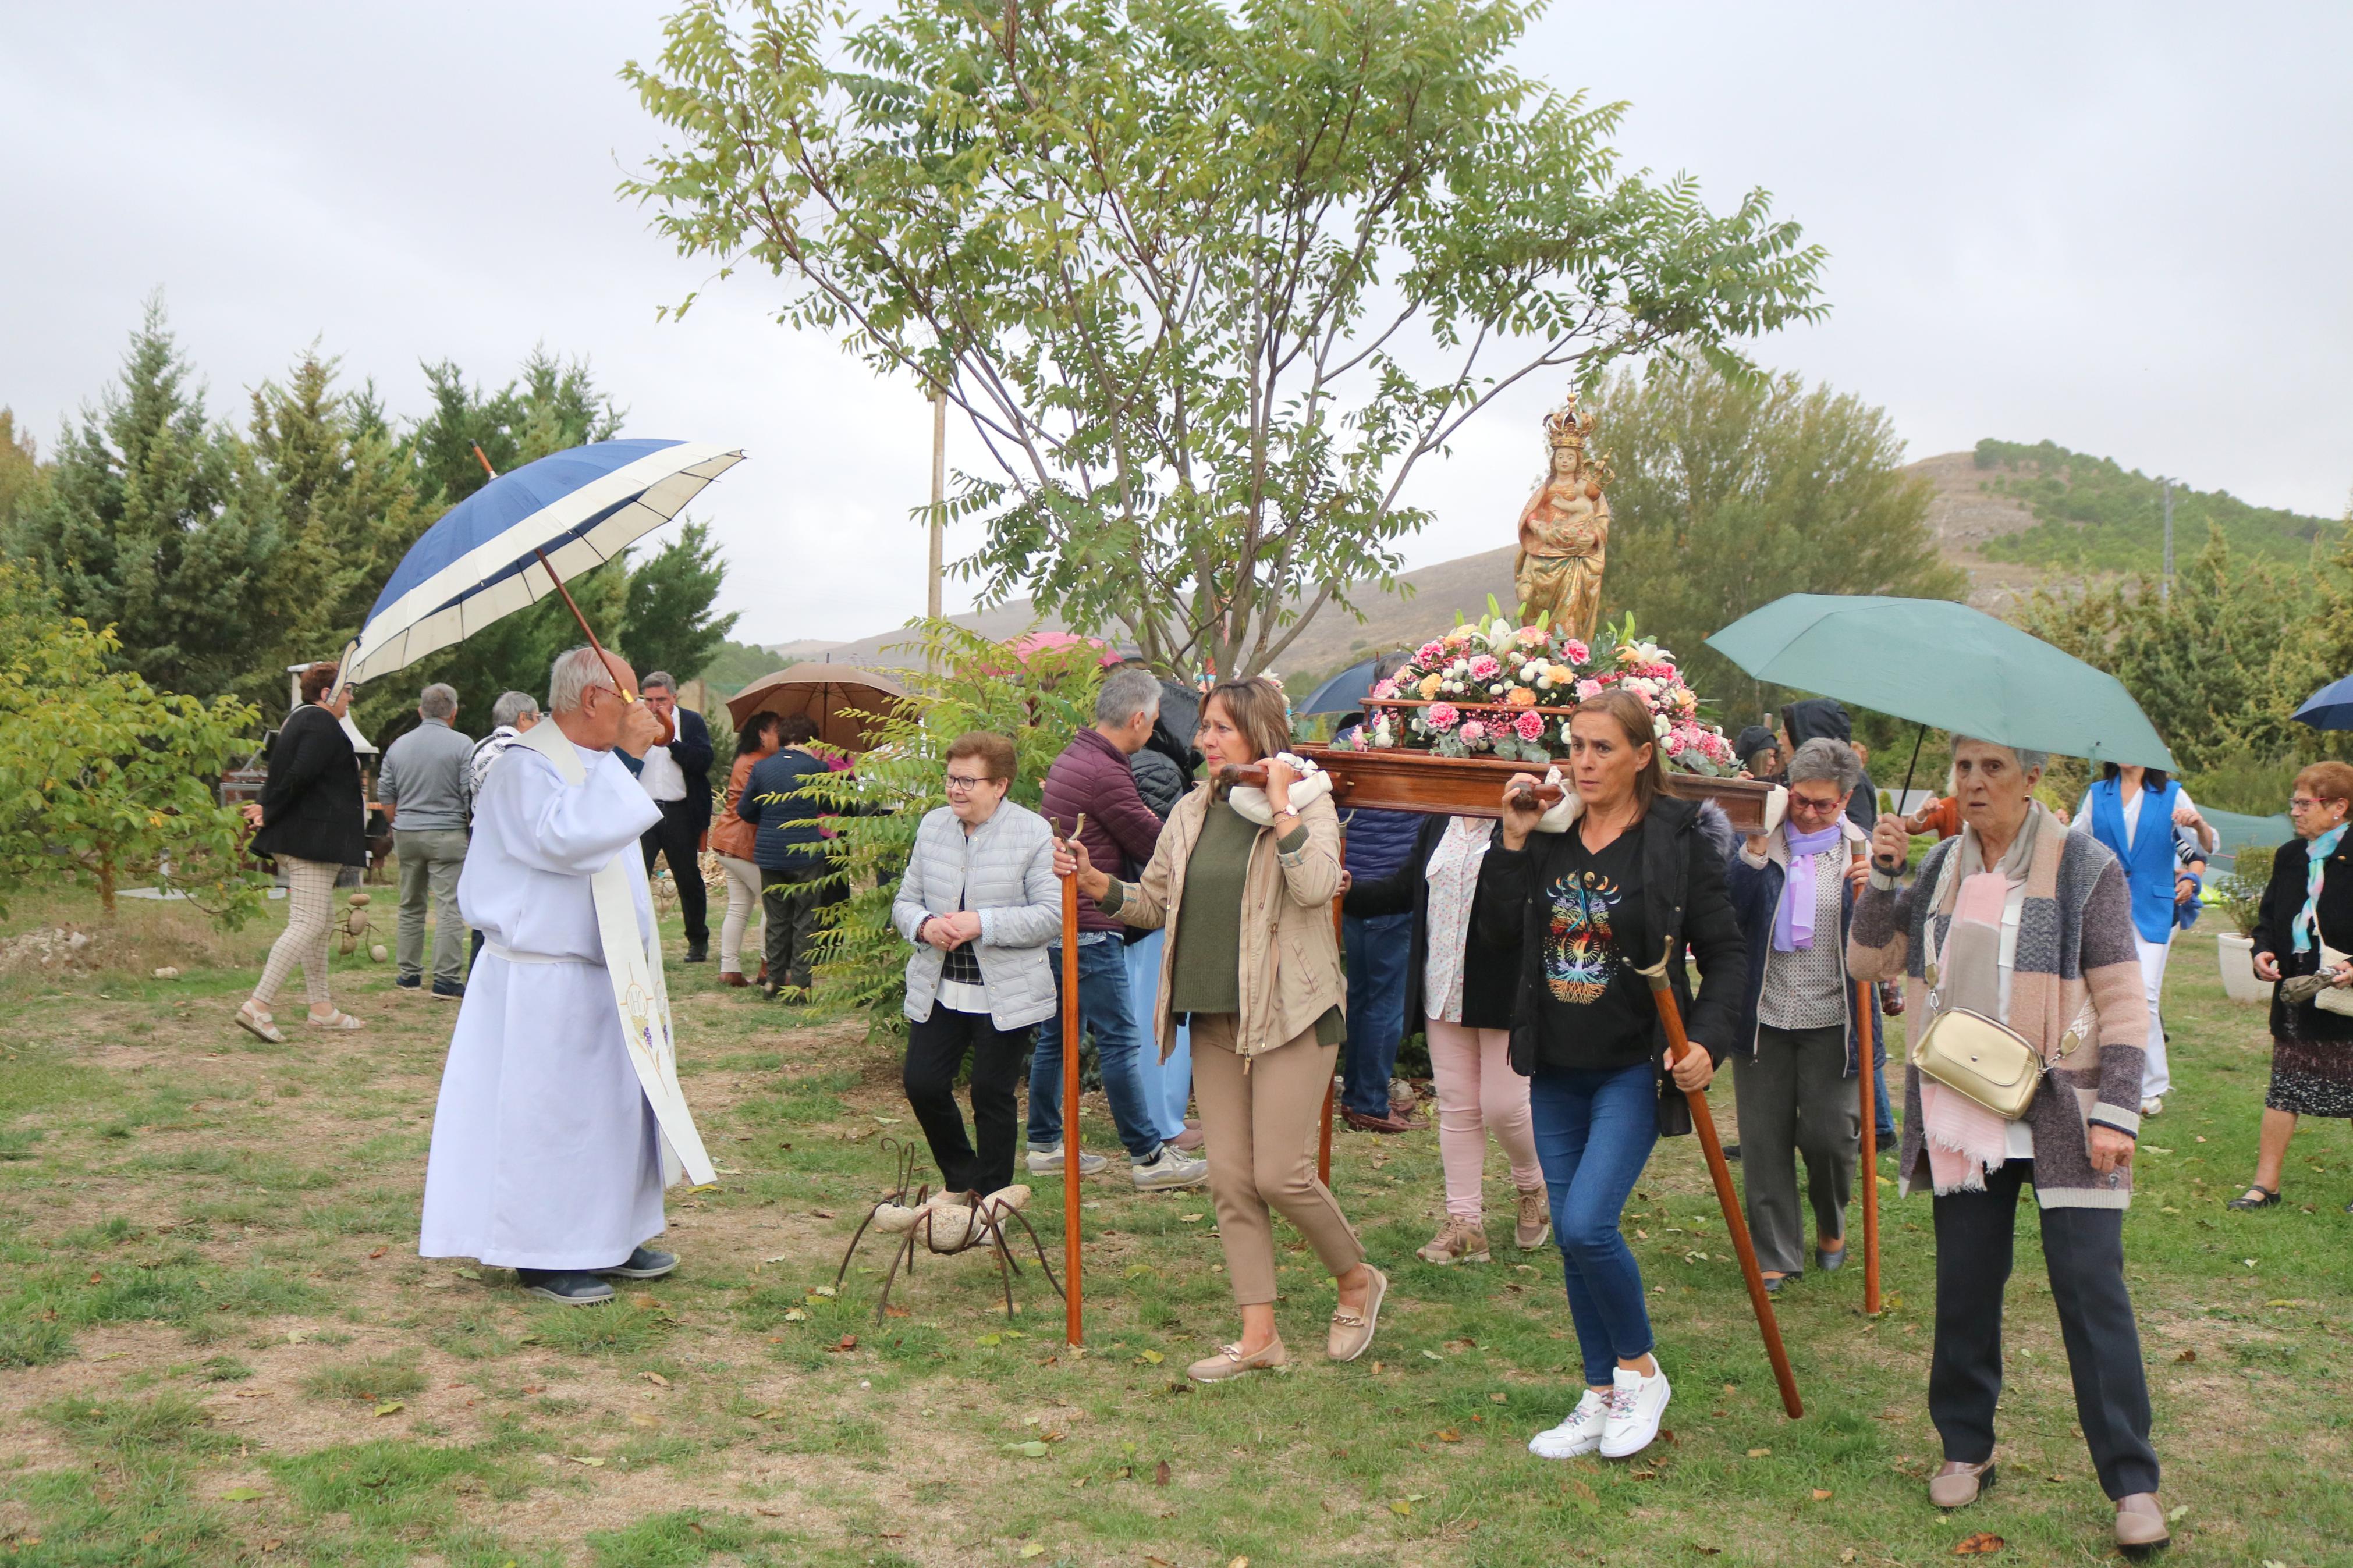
(1580, 1433)
(1169, 1169)
(1049, 1162)
(2152, 1105)
(1636, 1405)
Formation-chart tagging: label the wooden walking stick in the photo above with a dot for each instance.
(1072, 1329)
(1863, 1038)
(1703, 1121)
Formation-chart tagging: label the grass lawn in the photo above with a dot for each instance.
(217, 1344)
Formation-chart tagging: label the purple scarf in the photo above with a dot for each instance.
(1793, 922)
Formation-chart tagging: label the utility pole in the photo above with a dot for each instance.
(939, 508)
(2164, 593)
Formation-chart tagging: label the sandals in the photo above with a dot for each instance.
(338, 1020)
(2247, 1200)
(261, 1025)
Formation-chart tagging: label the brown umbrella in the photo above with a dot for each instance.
(831, 695)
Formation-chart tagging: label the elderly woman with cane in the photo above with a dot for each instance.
(1794, 890)
(1243, 884)
(2021, 927)
(1632, 876)
(2303, 936)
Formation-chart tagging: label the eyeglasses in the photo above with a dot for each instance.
(959, 785)
(1798, 802)
(2306, 802)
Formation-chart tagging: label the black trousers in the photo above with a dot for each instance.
(937, 1048)
(2085, 1250)
(789, 901)
(678, 836)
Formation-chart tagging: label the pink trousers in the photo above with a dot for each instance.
(1478, 1093)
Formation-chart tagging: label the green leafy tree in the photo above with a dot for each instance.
(1731, 492)
(99, 773)
(666, 619)
(150, 527)
(1209, 281)
(20, 467)
(967, 682)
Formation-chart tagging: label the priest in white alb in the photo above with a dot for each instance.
(560, 1120)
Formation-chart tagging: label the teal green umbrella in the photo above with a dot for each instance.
(1947, 666)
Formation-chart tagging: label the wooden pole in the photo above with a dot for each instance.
(939, 498)
(1704, 1123)
(1863, 1035)
(1072, 1326)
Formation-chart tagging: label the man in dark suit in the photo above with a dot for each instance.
(678, 777)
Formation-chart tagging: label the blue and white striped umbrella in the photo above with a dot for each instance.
(482, 560)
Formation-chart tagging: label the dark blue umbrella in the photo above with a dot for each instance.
(2330, 707)
(1344, 692)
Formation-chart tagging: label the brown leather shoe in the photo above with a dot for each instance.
(1958, 1485)
(730, 977)
(1391, 1123)
(761, 978)
(2140, 1523)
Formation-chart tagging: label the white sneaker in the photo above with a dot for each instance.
(1049, 1162)
(2151, 1106)
(1580, 1433)
(1636, 1403)
(1169, 1169)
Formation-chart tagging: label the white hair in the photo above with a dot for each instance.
(437, 701)
(2026, 760)
(1824, 758)
(1126, 691)
(660, 677)
(577, 672)
(513, 706)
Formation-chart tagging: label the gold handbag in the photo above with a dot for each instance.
(1972, 1055)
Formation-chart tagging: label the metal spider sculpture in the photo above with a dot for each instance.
(985, 1227)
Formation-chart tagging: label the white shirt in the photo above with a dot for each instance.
(2131, 811)
(663, 777)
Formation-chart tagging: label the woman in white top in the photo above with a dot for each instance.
(2139, 813)
(1462, 991)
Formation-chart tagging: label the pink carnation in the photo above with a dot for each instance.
(1657, 671)
(1430, 653)
(1577, 651)
(1441, 715)
(1587, 689)
(1486, 666)
(1384, 689)
(1531, 635)
(1530, 726)
(1471, 732)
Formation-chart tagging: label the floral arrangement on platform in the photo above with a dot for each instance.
(1489, 687)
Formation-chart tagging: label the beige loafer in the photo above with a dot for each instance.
(2140, 1523)
(1352, 1332)
(1230, 1361)
(1958, 1485)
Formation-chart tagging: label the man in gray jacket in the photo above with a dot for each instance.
(424, 789)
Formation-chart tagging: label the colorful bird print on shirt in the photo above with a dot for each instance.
(1580, 952)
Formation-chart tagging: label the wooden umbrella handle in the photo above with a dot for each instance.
(1735, 1221)
(1073, 1328)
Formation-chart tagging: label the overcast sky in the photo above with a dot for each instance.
(2121, 226)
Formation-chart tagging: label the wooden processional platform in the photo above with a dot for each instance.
(1396, 779)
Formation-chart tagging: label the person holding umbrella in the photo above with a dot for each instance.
(2301, 935)
(2020, 921)
(1632, 877)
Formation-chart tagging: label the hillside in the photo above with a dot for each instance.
(2010, 516)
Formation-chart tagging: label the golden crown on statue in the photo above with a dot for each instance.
(1567, 428)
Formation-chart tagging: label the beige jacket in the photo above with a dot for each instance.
(1291, 970)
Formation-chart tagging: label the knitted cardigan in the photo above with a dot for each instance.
(2074, 946)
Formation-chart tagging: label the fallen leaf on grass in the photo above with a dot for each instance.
(1821, 1494)
(1032, 1449)
(657, 1379)
(1150, 1358)
(795, 1315)
(253, 1393)
(2177, 1514)
(820, 1289)
(593, 1464)
(1238, 1562)
(1160, 1474)
(897, 1312)
(1033, 1550)
(468, 1273)
(1431, 1355)
(1498, 1398)
(820, 1214)
(1449, 1435)
(377, 1253)
(1847, 1555)
(390, 1407)
(847, 1342)
(96, 1279)
(1760, 1453)
(1984, 1544)
(1181, 1219)
(1709, 1551)
(1402, 1509)
(241, 1494)
(2187, 1356)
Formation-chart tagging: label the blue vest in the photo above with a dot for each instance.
(2149, 860)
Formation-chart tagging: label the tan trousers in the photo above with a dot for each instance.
(1262, 1126)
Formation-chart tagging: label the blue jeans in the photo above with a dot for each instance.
(1168, 1086)
(1102, 1008)
(1379, 948)
(1594, 1130)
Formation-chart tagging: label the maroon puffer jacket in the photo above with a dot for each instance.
(1091, 777)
